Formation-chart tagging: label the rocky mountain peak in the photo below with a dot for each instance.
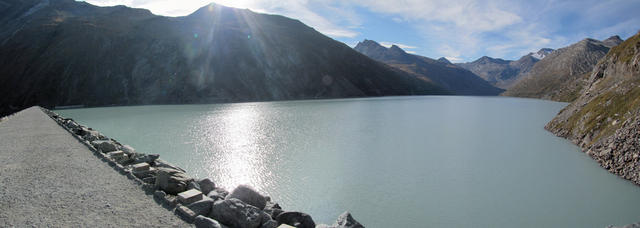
(369, 46)
(378, 52)
(444, 60)
(395, 48)
(612, 41)
(543, 52)
(368, 43)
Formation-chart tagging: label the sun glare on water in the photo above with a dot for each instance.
(239, 146)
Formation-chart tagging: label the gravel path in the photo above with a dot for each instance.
(49, 179)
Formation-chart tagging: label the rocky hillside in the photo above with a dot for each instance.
(605, 119)
(441, 71)
(559, 76)
(504, 73)
(63, 52)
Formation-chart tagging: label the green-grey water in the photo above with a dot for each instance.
(434, 161)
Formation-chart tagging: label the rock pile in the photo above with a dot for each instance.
(619, 152)
(200, 202)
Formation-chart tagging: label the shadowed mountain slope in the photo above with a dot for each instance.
(63, 52)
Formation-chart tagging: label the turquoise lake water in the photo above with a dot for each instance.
(428, 161)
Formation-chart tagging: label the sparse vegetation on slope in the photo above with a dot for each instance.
(562, 75)
(605, 119)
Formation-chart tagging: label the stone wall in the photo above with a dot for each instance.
(198, 201)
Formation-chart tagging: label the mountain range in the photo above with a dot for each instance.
(558, 76)
(441, 71)
(504, 73)
(64, 52)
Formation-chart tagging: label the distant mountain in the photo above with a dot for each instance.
(504, 73)
(441, 71)
(541, 53)
(558, 76)
(605, 118)
(612, 41)
(444, 60)
(64, 52)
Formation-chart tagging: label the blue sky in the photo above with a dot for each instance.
(461, 30)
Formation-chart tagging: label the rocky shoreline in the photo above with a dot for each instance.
(617, 153)
(605, 120)
(199, 202)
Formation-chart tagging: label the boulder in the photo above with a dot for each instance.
(81, 131)
(287, 226)
(345, 220)
(128, 149)
(267, 221)
(147, 158)
(249, 196)
(143, 166)
(159, 194)
(194, 185)
(235, 213)
(215, 196)
(221, 191)
(269, 224)
(145, 173)
(104, 146)
(164, 164)
(91, 135)
(204, 222)
(149, 180)
(72, 125)
(115, 154)
(172, 181)
(297, 219)
(273, 209)
(206, 185)
(202, 207)
(125, 160)
(185, 213)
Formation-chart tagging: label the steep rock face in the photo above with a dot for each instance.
(560, 75)
(504, 73)
(605, 119)
(441, 72)
(63, 52)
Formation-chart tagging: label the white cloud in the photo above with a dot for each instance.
(403, 46)
(467, 14)
(453, 59)
(452, 54)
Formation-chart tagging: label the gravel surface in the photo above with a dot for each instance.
(49, 179)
